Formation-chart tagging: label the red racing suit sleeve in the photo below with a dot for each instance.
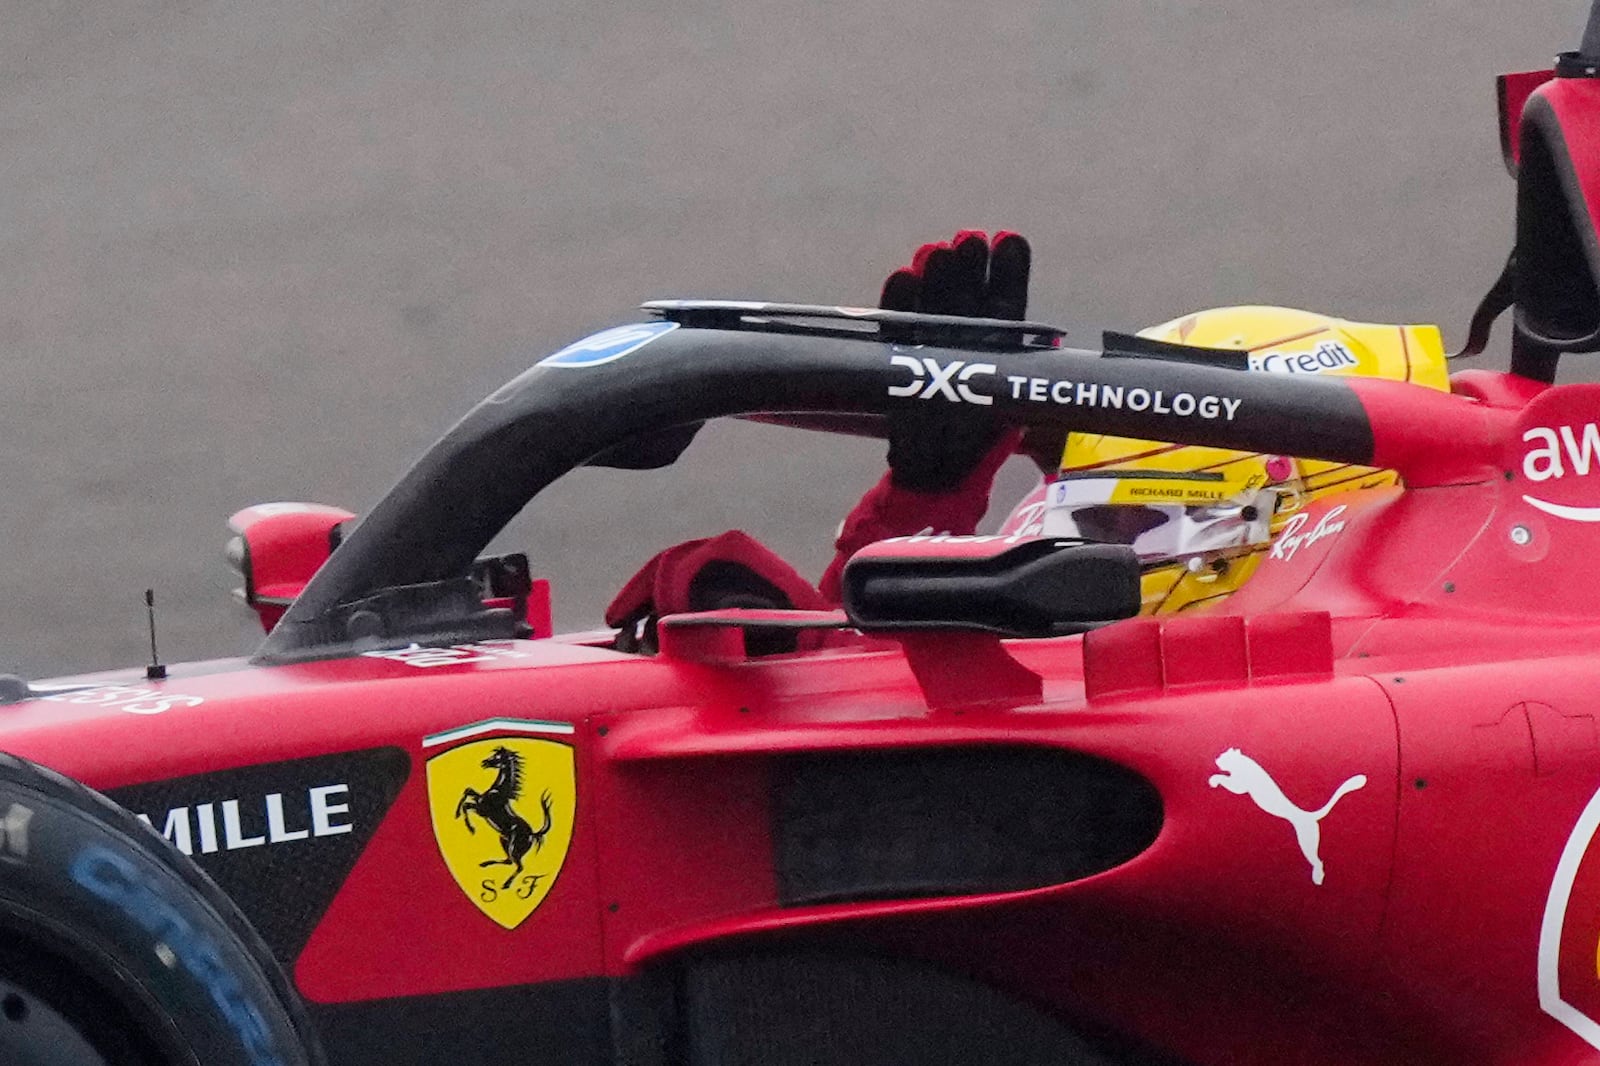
(888, 510)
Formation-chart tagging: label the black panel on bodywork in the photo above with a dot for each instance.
(566, 1022)
(282, 880)
(952, 822)
(805, 1007)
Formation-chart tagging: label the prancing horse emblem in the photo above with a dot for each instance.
(508, 870)
(1243, 776)
(494, 806)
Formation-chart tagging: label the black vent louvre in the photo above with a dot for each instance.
(805, 1008)
(953, 822)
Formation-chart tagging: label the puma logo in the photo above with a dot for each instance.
(1243, 776)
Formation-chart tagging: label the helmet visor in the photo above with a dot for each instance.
(1086, 509)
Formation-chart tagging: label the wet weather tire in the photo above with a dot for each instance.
(116, 950)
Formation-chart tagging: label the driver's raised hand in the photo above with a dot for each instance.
(942, 458)
(967, 275)
(931, 447)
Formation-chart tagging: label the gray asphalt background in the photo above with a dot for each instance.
(254, 252)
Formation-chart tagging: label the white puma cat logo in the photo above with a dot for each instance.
(1243, 776)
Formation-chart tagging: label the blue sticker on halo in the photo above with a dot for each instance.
(608, 345)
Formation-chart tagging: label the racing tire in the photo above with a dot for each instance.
(117, 950)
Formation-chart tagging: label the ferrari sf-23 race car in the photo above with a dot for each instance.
(982, 812)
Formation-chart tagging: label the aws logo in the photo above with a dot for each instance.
(1555, 453)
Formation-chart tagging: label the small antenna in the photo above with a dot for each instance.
(155, 671)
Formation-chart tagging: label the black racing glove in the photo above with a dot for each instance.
(931, 447)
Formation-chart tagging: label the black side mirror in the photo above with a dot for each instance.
(1556, 284)
(1013, 586)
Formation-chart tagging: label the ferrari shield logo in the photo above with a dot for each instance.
(502, 813)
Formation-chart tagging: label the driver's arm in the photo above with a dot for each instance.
(942, 458)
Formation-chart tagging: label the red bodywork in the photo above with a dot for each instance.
(1424, 643)
(1377, 773)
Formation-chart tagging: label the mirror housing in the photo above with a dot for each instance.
(1012, 586)
(276, 547)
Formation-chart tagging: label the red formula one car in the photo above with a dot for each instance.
(982, 814)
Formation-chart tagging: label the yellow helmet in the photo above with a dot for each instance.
(1201, 518)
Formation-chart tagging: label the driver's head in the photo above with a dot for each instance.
(1168, 502)
(1201, 518)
